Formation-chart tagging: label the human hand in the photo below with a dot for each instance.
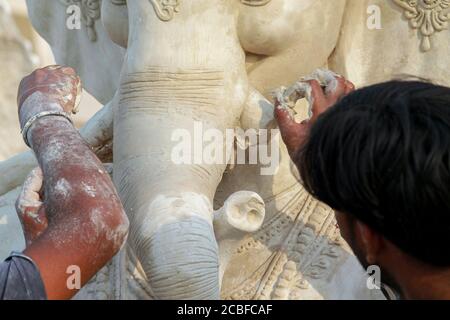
(59, 88)
(295, 134)
(30, 208)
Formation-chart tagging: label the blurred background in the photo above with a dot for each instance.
(21, 51)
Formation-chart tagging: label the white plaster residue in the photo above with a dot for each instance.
(115, 235)
(90, 190)
(4, 220)
(55, 152)
(63, 187)
(326, 78)
(39, 102)
(29, 195)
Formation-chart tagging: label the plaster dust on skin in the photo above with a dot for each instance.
(90, 190)
(37, 102)
(60, 137)
(63, 188)
(116, 235)
(96, 216)
(29, 197)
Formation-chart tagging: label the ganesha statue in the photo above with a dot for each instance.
(222, 230)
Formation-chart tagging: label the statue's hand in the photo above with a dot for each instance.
(59, 90)
(295, 134)
(30, 208)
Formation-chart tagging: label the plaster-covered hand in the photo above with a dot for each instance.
(55, 88)
(294, 134)
(30, 207)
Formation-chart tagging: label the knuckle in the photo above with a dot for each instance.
(341, 82)
(68, 70)
(52, 68)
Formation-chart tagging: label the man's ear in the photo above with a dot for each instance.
(370, 240)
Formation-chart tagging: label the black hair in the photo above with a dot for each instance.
(382, 155)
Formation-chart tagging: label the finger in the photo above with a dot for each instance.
(292, 132)
(68, 70)
(35, 180)
(52, 67)
(29, 206)
(337, 91)
(34, 222)
(31, 188)
(318, 98)
(349, 87)
(287, 125)
(283, 117)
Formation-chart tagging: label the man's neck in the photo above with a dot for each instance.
(422, 282)
(428, 287)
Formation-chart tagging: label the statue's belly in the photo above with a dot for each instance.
(267, 27)
(287, 39)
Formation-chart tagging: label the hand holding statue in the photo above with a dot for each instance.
(295, 134)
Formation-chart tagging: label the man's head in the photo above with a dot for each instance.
(381, 158)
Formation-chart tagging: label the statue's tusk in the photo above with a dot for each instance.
(242, 213)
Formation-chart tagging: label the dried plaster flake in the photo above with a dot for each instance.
(427, 16)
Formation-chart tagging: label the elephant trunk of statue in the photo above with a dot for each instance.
(167, 194)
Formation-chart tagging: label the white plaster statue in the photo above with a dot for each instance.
(162, 65)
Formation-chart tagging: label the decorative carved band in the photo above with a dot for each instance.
(255, 3)
(119, 2)
(91, 11)
(165, 9)
(427, 16)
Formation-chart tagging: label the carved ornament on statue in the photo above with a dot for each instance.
(427, 16)
(255, 3)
